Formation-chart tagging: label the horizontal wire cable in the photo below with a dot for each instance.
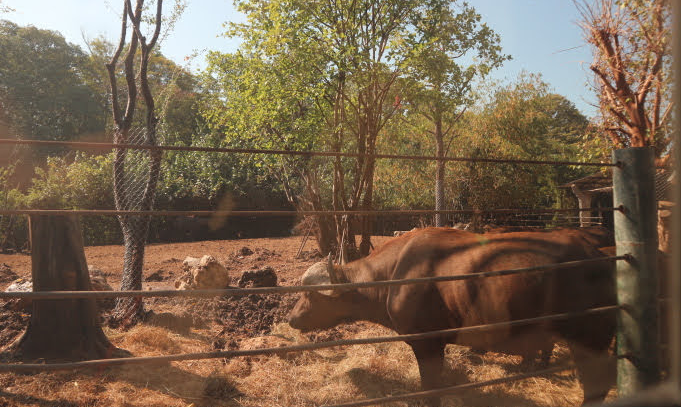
(234, 292)
(248, 213)
(110, 146)
(37, 367)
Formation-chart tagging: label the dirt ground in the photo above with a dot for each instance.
(237, 317)
(198, 325)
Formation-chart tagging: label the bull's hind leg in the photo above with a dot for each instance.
(596, 371)
(430, 356)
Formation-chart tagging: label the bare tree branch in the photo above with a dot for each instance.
(111, 69)
(631, 56)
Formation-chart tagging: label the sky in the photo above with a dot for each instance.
(542, 36)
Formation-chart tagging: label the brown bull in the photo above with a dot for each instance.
(428, 307)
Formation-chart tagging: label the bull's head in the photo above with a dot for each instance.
(322, 309)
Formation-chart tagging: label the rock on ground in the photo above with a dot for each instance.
(97, 281)
(204, 274)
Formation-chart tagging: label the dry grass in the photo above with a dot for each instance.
(303, 379)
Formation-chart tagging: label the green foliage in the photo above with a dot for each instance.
(447, 51)
(13, 229)
(193, 180)
(83, 183)
(595, 146)
(42, 93)
(308, 78)
(522, 120)
(176, 90)
(406, 184)
(315, 76)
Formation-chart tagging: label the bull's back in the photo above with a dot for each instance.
(495, 299)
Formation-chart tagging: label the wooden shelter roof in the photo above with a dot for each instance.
(602, 182)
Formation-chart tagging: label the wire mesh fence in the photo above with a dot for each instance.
(134, 214)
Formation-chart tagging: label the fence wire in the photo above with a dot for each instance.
(220, 213)
(28, 368)
(40, 367)
(57, 295)
(136, 175)
(109, 146)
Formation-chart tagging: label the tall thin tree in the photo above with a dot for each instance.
(445, 34)
(135, 228)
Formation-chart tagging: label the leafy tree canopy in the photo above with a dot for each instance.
(523, 119)
(42, 92)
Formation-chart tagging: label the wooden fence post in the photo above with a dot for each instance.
(637, 281)
(675, 275)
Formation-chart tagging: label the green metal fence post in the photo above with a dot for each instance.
(637, 281)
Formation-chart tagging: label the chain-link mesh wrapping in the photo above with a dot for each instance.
(136, 174)
(133, 176)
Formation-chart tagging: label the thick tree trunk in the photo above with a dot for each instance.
(61, 329)
(325, 234)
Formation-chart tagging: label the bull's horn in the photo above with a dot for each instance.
(330, 269)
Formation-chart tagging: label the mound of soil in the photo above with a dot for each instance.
(310, 255)
(244, 251)
(6, 274)
(265, 254)
(239, 317)
(12, 323)
(157, 276)
(264, 277)
(253, 315)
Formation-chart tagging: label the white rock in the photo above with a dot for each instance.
(190, 262)
(20, 285)
(209, 273)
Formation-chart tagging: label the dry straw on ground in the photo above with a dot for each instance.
(306, 379)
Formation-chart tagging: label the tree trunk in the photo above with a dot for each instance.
(367, 205)
(325, 234)
(61, 329)
(439, 174)
(130, 310)
(135, 229)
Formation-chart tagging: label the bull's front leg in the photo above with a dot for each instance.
(430, 356)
